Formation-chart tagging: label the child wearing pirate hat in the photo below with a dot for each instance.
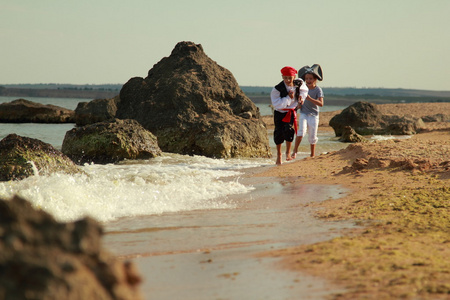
(309, 111)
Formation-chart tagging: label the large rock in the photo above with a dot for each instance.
(21, 157)
(43, 259)
(195, 106)
(109, 142)
(363, 117)
(25, 111)
(97, 110)
(366, 119)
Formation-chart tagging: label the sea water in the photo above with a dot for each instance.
(192, 220)
(169, 183)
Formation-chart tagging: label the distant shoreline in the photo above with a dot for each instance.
(333, 96)
(57, 93)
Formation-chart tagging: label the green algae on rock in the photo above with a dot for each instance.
(21, 157)
(109, 142)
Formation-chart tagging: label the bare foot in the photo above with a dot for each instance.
(294, 155)
(278, 160)
(288, 157)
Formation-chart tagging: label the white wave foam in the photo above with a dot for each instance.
(169, 183)
(389, 137)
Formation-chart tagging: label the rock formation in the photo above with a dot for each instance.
(97, 110)
(43, 259)
(21, 157)
(195, 106)
(402, 125)
(350, 136)
(24, 111)
(366, 119)
(109, 142)
(437, 118)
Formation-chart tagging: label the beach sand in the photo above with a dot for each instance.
(364, 221)
(400, 194)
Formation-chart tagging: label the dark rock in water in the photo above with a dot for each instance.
(350, 136)
(24, 111)
(363, 117)
(366, 119)
(97, 110)
(195, 106)
(21, 157)
(44, 259)
(109, 142)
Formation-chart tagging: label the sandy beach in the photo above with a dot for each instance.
(400, 194)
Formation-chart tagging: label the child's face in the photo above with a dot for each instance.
(289, 80)
(310, 80)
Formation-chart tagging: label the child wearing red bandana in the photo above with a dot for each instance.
(284, 117)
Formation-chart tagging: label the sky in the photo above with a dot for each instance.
(360, 44)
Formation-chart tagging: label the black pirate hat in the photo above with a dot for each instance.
(314, 69)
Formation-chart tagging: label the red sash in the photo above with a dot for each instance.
(287, 118)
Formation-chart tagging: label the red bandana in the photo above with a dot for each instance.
(288, 71)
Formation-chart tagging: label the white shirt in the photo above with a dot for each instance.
(281, 103)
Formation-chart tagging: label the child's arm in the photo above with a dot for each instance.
(318, 101)
(279, 102)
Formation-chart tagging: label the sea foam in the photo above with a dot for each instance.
(169, 183)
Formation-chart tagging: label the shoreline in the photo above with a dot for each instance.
(399, 194)
(222, 246)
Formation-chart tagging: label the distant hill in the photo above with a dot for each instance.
(103, 91)
(258, 94)
(255, 90)
(348, 96)
(59, 86)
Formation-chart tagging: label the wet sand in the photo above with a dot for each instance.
(214, 254)
(399, 194)
(268, 246)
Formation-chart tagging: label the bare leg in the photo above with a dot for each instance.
(313, 150)
(279, 154)
(298, 140)
(288, 151)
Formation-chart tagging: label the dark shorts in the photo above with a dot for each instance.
(283, 131)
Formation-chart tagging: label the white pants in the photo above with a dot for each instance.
(310, 123)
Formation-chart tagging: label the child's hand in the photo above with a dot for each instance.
(291, 94)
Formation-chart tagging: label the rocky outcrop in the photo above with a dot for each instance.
(363, 117)
(437, 118)
(402, 125)
(97, 110)
(43, 259)
(109, 142)
(366, 119)
(21, 157)
(24, 111)
(195, 106)
(350, 136)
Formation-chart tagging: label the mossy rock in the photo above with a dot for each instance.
(21, 157)
(110, 142)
